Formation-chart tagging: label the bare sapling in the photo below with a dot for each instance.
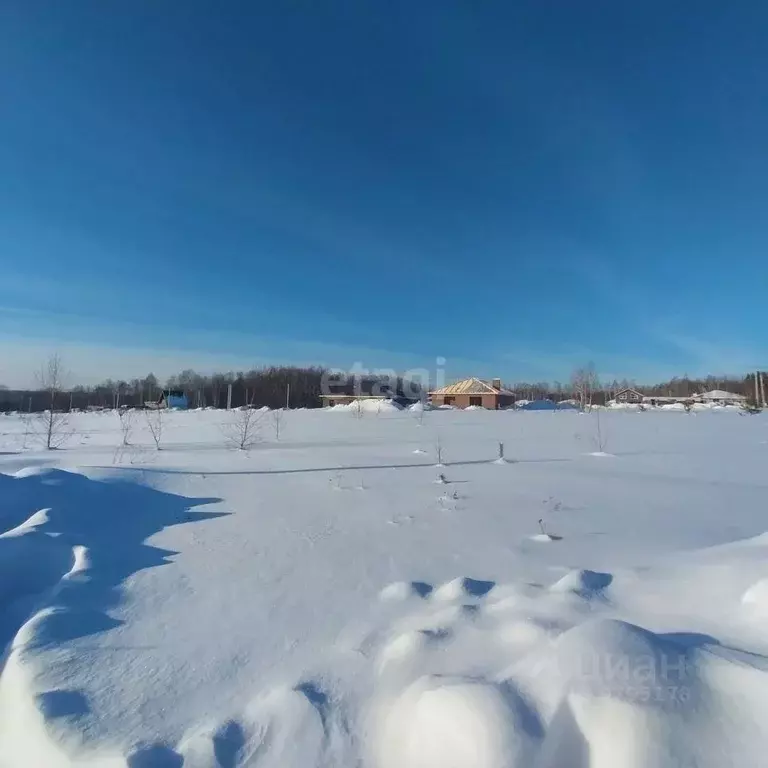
(155, 418)
(599, 438)
(53, 428)
(127, 423)
(243, 430)
(358, 411)
(545, 534)
(420, 410)
(439, 452)
(29, 431)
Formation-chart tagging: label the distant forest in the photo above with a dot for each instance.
(301, 388)
(273, 386)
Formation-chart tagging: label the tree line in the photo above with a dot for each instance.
(301, 387)
(273, 386)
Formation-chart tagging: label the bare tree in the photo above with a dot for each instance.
(150, 383)
(578, 386)
(137, 389)
(54, 430)
(585, 383)
(358, 411)
(243, 430)
(155, 418)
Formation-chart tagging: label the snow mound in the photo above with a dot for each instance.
(440, 722)
(405, 653)
(614, 658)
(462, 588)
(545, 537)
(402, 590)
(81, 562)
(368, 405)
(37, 520)
(523, 633)
(755, 599)
(584, 583)
(613, 405)
(34, 471)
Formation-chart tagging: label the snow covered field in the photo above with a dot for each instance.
(325, 599)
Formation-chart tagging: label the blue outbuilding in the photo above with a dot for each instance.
(173, 398)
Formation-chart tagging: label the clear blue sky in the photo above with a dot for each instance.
(515, 186)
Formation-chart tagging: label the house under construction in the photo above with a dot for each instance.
(474, 392)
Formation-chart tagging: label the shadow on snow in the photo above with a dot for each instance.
(337, 468)
(112, 519)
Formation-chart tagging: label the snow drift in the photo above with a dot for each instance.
(320, 601)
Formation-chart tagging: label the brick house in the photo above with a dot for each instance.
(474, 392)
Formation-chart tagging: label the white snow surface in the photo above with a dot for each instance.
(319, 601)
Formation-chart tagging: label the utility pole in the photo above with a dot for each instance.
(757, 388)
(288, 396)
(229, 397)
(762, 389)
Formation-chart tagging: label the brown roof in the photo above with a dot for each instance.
(471, 386)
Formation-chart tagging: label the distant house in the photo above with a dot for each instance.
(721, 397)
(715, 397)
(628, 395)
(381, 388)
(474, 392)
(173, 398)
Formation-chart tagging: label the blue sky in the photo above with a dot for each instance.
(516, 187)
